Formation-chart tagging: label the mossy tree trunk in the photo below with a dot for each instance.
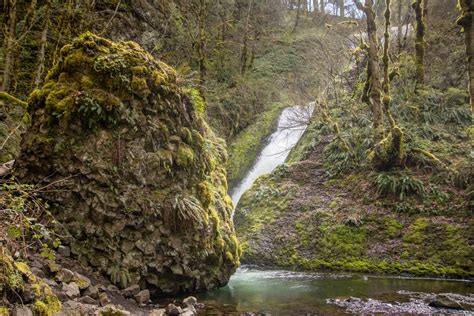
(373, 67)
(245, 47)
(465, 20)
(419, 6)
(9, 45)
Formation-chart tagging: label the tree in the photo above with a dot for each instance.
(9, 44)
(399, 26)
(465, 20)
(419, 6)
(297, 21)
(341, 4)
(373, 66)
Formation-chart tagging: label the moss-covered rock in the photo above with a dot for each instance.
(132, 171)
(17, 278)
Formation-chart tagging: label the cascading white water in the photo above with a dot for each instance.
(291, 126)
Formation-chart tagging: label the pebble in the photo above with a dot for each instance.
(172, 309)
(157, 312)
(71, 290)
(142, 297)
(131, 291)
(64, 275)
(22, 311)
(64, 251)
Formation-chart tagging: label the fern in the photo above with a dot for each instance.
(398, 186)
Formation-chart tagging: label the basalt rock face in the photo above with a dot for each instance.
(130, 169)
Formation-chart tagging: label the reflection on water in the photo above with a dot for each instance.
(297, 293)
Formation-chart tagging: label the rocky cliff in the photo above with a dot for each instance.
(120, 151)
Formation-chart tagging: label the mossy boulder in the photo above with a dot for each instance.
(130, 168)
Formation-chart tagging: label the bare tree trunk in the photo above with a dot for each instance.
(373, 64)
(9, 47)
(465, 20)
(342, 8)
(386, 44)
(418, 6)
(297, 21)
(41, 53)
(323, 6)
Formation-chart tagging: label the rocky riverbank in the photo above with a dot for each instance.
(411, 303)
(79, 290)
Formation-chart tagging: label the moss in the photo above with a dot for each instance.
(197, 100)
(185, 156)
(11, 99)
(392, 227)
(14, 275)
(4, 311)
(416, 232)
(244, 149)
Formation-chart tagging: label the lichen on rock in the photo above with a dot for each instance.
(132, 171)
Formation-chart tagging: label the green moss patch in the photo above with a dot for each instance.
(244, 149)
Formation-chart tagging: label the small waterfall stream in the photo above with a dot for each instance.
(291, 126)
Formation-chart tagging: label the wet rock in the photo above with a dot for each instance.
(172, 309)
(71, 290)
(443, 301)
(64, 275)
(131, 291)
(87, 300)
(157, 312)
(190, 301)
(64, 251)
(22, 311)
(142, 297)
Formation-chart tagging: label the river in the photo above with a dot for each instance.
(278, 292)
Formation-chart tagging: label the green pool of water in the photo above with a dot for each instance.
(278, 292)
